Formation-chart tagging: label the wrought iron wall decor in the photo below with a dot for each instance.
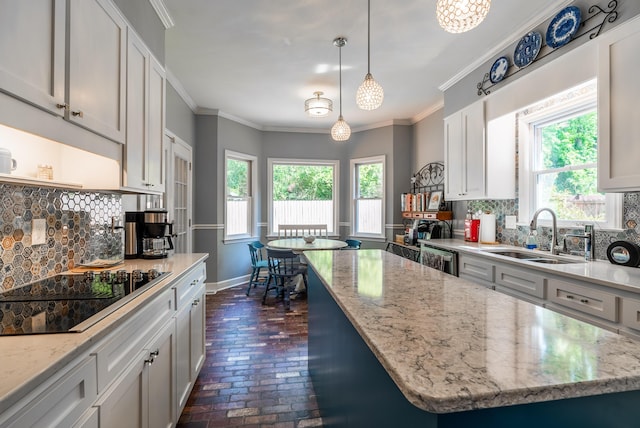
(610, 15)
(429, 178)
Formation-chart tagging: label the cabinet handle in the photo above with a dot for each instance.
(63, 106)
(152, 357)
(584, 300)
(196, 302)
(78, 113)
(569, 296)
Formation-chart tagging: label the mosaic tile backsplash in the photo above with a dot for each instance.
(502, 208)
(78, 231)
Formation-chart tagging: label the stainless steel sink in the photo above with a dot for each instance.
(534, 257)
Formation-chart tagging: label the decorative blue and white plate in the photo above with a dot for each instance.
(499, 69)
(563, 26)
(527, 49)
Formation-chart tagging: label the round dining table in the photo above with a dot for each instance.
(299, 244)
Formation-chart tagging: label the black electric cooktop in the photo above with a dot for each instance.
(70, 303)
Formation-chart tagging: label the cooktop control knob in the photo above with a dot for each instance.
(137, 275)
(121, 276)
(153, 274)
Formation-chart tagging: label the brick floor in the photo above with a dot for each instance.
(255, 373)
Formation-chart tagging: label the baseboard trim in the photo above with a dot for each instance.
(214, 287)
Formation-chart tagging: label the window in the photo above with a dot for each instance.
(303, 192)
(558, 148)
(239, 184)
(367, 211)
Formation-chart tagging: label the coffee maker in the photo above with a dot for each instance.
(148, 234)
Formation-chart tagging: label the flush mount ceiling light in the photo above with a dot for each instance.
(318, 107)
(370, 94)
(458, 16)
(340, 131)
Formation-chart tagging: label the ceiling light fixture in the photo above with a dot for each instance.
(370, 94)
(458, 16)
(340, 131)
(318, 107)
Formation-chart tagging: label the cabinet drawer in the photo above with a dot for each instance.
(584, 299)
(119, 349)
(189, 285)
(525, 282)
(60, 405)
(476, 268)
(631, 313)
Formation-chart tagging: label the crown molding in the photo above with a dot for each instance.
(529, 25)
(163, 13)
(428, 112)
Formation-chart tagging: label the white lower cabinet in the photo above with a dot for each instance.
(190, 322)
(521, 280)
(143, 395)
(59, 403)
(584, 299)
(477, 269)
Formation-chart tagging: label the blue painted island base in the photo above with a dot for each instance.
(354, 390)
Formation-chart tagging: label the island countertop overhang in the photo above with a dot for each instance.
(451, 345)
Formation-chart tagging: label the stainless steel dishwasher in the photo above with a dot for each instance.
(436, 258)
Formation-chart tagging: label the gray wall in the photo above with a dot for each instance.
(465, 91)
(179, 117)
(145, 20)
(428, 140)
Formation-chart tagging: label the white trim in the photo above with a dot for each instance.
(353, 163)
(335, 164)
(207, 227)
(214, 287)
(529, 25)
(428, 112)
(163, 13)
(177, 86)
(253, 186)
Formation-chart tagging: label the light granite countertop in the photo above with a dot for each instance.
(451, 345)
(29, 360)
(597, 272)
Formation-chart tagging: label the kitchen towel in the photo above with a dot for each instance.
(488, 228)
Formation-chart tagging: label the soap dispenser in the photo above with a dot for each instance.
(531, 240)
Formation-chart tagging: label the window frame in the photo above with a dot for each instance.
(527, 174)
(252, 182)
(334, 163)
(354, 164)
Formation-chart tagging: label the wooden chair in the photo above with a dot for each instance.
(258, 262)
(302, 230)
(284, 266)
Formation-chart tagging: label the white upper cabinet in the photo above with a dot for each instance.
(479, 158)
(97, 67)
(618, 94)
(67, 58)
(464, 153)
(143, 152)
(32, 51)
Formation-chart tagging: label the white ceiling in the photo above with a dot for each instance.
(258, 60)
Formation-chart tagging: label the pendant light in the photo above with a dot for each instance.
(458, 16)
(370, 94)
(340, 131)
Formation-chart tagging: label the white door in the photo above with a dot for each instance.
(178, 191)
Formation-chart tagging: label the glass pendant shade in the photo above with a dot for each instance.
(318, 106)
(340, 131)
(458, 16)
(370, 94)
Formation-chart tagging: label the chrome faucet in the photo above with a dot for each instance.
(589, 241)
(554, 228)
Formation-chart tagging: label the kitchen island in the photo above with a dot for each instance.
(395, 343)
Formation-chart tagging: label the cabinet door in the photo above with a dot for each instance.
(618, 124)
(161, 359)
(134, 168)
(453, 157)
(97, 65)
(465, 154)
(32, 51)
(123, 405)
(155, 146)
(183, 359)
(198, 333)
(474, 151)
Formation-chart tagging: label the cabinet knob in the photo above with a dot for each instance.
(63, 106)
(77, 113)
(152, 357)
(196, 302)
